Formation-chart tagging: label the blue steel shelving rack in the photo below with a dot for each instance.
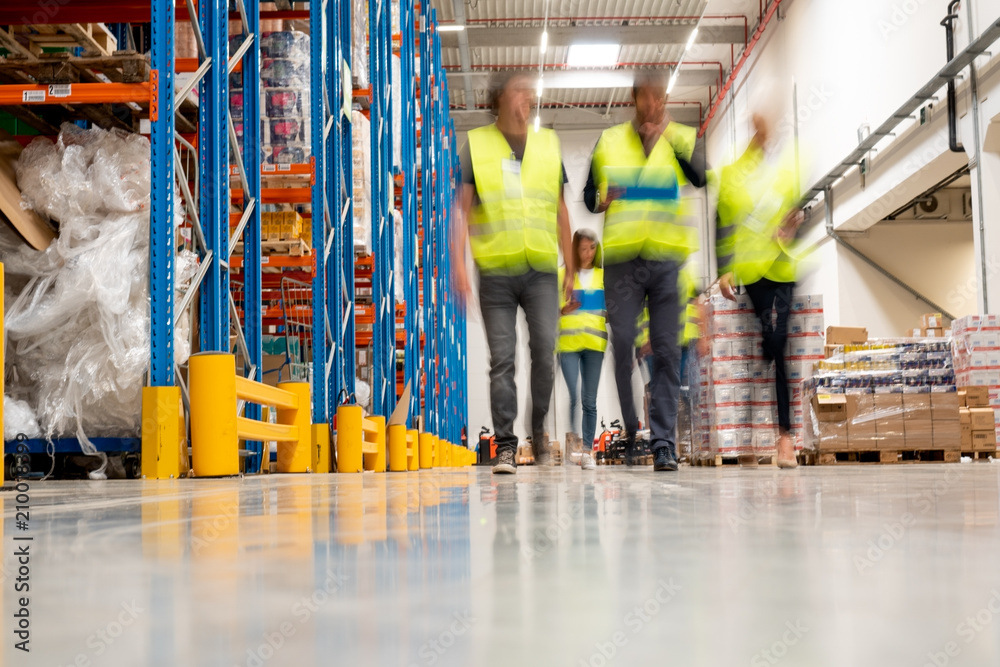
(441, 369)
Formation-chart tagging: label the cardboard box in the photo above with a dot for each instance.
(917, 407)
(830, 408)
(932, 321)
(862, 431)
(965, 431)
(913, 333)
(846, 335)
(947, 435)
(961, 398)
(977, 397)
(918, 433)
(833, 436)
(984, 441)
(944, 407)
(830, 350)
(964, 417)
(815, 302)
(982, 419)
(934, 332)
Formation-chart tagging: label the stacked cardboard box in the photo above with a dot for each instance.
(283, 226)
(890, 394)
(735, 408)
(977, 420)
(976, 348)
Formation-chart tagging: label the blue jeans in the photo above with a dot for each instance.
(586, 363)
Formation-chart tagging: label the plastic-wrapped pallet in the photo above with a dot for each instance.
(976, 349)
(397, 113)
(285, 102)
(359, 42)
(78, 331)
(361, 152)
(889, 394)
(399, 281)
(732, 390)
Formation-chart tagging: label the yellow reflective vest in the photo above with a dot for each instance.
(585, 328)
(657, 228)
(754, 198)
(514, 227)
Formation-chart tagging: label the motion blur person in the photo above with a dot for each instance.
(636, 174)
(511, 211)
(758, 220)
(583, 338)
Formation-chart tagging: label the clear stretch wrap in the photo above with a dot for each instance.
(77, 317)
(397, 113)
(361, 152)
(359, 42)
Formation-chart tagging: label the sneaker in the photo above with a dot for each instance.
(587, 461)
(664, 460)
(504, 463)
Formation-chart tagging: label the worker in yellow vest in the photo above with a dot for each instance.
(512, 213)
(636, 174)
(758, 219)
(583, 338)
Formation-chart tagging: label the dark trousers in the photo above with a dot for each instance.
(773, 302)
(626, 287)
(499, 298)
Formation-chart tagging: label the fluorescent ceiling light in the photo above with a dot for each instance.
(673, 80)
(694, 35)
(545, 41)
(451, 27)
(541, 87)
(538, 122)
(593, 55)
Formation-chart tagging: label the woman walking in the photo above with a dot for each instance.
(583, 338)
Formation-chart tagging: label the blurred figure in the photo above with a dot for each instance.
(511, 211)
(636, 173)
(583, 338)
(758, 220)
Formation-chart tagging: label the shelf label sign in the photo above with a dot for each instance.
(30, 96)
(60, 89)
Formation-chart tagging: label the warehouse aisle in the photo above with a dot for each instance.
(551, 567)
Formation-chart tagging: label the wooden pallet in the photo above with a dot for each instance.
(981, 457)
(638, 461)
(293, 248)
(718, 460)
(26, 41)
(883, 456)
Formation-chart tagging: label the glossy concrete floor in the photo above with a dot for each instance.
(847, 566)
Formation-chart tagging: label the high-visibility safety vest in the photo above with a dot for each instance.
(754, 197)
(658, 228)
(587, 327)
(514, 228)
(690, 316)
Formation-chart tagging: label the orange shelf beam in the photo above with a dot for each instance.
(76, 93)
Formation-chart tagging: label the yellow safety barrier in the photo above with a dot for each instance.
(397, 448)
(426, 453)
(216, 429)
(413, 449)
(438, 459)
(361, 441)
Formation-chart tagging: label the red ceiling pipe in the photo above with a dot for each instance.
(771, 9)
(556, 66)
(528, 19)
(596, 105)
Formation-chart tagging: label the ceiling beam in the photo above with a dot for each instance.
(482, 36)
(572, 118)
(463, 53)
(589, 79)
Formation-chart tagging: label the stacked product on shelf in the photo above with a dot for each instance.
(977, 420)
(734, 407)
(976, 347)
(890, 394)
(361, 152)
(359, 42)
(931, 326)
(284, 105)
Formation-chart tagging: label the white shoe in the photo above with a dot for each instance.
(587, 461)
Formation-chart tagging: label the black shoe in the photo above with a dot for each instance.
(629, 449)
(504, 463)
(664, 460)
(541, 451)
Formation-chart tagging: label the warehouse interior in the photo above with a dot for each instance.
(253, 414)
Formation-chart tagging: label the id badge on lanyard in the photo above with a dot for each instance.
(512, 178)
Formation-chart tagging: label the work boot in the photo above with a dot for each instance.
(540, 448)
(663, 460)
(504, 463)
(629, 449)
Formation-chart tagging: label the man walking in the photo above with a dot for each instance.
(512, 213)
(636, 174)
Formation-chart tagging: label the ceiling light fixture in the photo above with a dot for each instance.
(538, 122)
(593, 55)
(545, 41)
(541, 87)
(690, 42)
(453, 27)
(673, 80)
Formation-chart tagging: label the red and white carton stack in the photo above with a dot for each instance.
(735, 408)
(976, 354)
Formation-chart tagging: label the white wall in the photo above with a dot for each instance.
(855, 62)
